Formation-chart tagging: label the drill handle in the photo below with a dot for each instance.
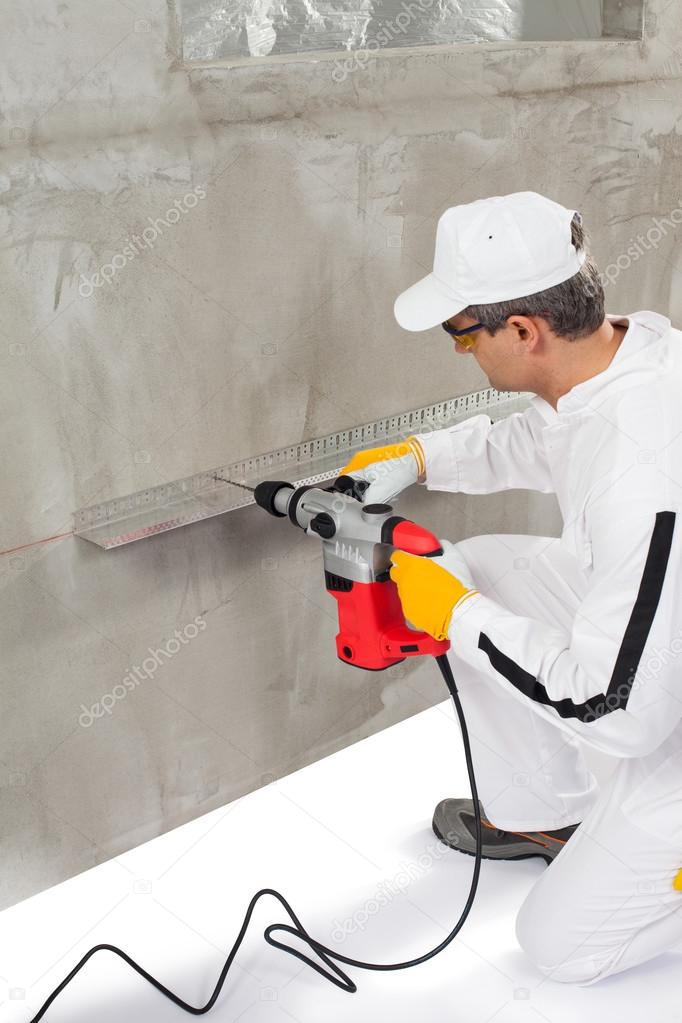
(408, 536)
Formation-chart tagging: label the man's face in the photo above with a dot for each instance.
(500, 357)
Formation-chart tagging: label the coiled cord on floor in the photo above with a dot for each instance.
(328, 956)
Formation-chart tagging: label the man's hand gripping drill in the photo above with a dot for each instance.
(380, 567)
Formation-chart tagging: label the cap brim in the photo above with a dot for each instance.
(426, 305)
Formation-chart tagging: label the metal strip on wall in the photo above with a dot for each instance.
(171, 505)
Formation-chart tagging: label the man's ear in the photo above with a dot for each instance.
(526, 333)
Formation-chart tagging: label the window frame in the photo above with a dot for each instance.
(624, 23)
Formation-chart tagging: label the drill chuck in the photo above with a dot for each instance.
(266, 494)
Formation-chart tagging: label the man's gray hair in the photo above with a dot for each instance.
(573, 309)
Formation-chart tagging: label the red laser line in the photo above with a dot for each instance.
(36, 543)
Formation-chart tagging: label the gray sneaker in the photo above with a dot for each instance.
(455, 825)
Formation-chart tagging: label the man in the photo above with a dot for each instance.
(557, 643)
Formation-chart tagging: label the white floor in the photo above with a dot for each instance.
(348, 842)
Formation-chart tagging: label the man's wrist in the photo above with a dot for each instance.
(448, 620)
(458, 603)
(419, 456)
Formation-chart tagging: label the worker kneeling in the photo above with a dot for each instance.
(558, 642)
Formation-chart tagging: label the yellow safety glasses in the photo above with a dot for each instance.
(467, 337)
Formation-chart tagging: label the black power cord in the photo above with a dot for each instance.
(327, 955)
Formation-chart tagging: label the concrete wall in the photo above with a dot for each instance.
(259, 315)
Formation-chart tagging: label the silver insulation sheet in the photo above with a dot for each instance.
(220, 30)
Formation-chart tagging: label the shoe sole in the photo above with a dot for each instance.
(469, 852)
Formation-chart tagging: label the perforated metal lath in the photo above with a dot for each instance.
(170, 505)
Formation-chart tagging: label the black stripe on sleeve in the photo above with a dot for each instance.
(631, 648)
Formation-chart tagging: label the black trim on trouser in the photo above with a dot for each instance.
(631, 648)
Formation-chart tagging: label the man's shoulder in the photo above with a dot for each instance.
(649, 412)
(647, 317)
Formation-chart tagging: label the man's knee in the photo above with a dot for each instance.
(540, 934)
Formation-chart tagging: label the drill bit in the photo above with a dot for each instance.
(221, 479)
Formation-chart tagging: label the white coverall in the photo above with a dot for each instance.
(578, 639)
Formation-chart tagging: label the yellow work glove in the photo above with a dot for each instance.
(677, 883)
(389, 470)
(428, 592)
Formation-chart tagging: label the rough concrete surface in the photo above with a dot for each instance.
(259, 315)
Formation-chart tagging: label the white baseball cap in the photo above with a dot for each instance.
(492, 250)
